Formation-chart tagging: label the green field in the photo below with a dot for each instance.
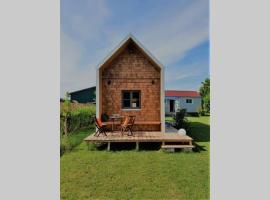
(147, 174)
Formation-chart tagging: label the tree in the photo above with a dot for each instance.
(205, 94)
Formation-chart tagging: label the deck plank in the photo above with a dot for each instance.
(140, 137)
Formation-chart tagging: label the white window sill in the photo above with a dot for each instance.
(131, 109)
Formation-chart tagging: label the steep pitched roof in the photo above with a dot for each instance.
(178, 93)
(129, 38)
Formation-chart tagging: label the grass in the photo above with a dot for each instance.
(138, 175)
(74, 139)
(169, 119)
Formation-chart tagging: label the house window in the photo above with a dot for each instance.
(131, 99)
(188, 100)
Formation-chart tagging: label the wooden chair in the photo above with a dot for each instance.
(101, 129)
(128, 125)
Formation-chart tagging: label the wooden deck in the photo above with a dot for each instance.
(140, 137)
(143, 137)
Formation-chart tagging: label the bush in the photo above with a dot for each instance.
(74, 118)
(193, 114)
(65, 144)
(180, 120)
(202, 112)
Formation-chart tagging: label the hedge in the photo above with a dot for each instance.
(73, 118)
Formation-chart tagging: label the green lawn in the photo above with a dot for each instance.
(138, 175)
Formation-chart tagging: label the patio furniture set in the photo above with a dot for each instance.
(126, 125)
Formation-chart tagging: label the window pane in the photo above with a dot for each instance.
(126, 103)
(135, 104)
(188, 100)
(126, 95)
(138, 103)
(131, 99)
(136, 95)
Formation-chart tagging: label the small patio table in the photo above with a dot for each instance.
(113, 118)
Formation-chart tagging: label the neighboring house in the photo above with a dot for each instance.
(84, 96)
(130, 82)
(189, 100)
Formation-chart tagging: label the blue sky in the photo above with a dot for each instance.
(176, 32)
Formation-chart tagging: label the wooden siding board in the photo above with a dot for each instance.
(132, 71)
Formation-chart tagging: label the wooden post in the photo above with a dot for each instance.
(137, 146)
(109, 146)
(88, 146)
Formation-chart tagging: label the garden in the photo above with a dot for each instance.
(74, 118)
(128, 174)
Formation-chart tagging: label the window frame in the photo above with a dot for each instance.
(131, 96)
(189, 102)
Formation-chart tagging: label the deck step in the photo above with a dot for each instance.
(176, 146)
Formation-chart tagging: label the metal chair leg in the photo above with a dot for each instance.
(130, 131)
(96, 133)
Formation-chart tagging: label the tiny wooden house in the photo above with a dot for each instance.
(130, 81)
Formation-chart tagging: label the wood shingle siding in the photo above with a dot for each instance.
(130, 69)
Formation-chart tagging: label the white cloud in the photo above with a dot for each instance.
(185, 72)
(72, 77)
(182, 76)
(84, 27)
(168, 36)
(87, 23)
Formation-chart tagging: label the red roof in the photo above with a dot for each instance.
(177, 93)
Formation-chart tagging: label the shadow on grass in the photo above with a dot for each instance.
(199, 132)
(125, 146)
(198, 148)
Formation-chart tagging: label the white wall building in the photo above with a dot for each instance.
(189, 100)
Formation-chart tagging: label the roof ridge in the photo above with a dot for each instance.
(138, 43)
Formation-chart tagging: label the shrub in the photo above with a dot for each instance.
(193, 114)
(65, 144)
(75, 117)
(201, 112)
(180, 120)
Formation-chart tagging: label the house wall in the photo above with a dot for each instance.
(132, 71)
(190, 107)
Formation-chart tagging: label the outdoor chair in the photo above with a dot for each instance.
(127, 126)
(101, 128)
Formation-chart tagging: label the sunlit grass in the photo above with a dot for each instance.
(138, 175)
